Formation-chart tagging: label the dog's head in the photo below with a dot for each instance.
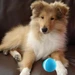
(49, 17)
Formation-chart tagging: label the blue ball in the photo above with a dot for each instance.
(49, 65)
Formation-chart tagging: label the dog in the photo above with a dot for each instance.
(44, 36)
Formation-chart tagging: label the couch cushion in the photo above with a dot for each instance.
(8, 66)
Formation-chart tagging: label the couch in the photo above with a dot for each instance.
(14, 12)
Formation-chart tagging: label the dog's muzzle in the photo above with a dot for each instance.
(44, 30)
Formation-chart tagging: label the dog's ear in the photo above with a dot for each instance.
(61, 9)
(36, 7)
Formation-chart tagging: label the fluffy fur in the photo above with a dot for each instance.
(34, 43)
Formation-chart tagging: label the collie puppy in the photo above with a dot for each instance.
(44, 36)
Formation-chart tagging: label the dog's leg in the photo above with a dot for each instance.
(15, 54)
(26, 63)
(60, 61)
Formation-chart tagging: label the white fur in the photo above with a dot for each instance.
(25, 71)
(47, 44)
(60, 69)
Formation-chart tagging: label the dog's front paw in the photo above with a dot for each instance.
(25, 71)
(60, 69)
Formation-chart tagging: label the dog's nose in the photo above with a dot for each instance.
(44, 29)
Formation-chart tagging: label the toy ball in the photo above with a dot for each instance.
(49, 65)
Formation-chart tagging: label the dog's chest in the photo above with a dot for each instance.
(46, 45)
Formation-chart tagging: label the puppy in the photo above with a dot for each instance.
(45, 36)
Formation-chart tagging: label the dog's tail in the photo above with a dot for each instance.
(2, 47)
(5, 47)
(10, 45)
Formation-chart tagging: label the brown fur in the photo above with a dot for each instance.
(52, 16)
(28, 60)
(56, 10)
(59, 55)
(41, 9)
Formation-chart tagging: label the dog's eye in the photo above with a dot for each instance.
(42, 17)
(51, 18)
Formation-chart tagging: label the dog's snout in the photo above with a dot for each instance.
(44, 29)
